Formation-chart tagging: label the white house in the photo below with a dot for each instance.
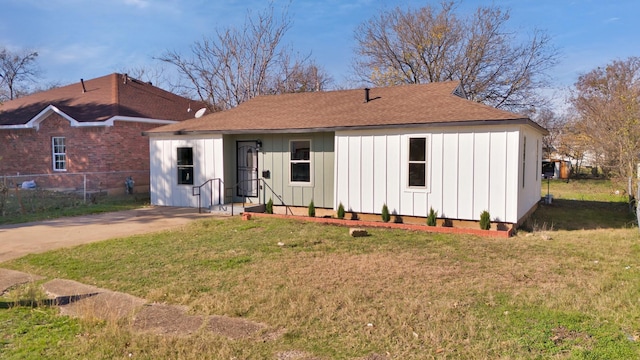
(412, 147)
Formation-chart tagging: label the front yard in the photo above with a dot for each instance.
(557, 291)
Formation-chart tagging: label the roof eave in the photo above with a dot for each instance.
(515, 121)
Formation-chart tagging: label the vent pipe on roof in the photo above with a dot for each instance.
(84, 90)
(366, 95)
(126, 77)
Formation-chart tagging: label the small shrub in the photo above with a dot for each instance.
(485, 220)
(340, 211)
(385, 213)
(312, 209)
(431, 219)
(269, 207)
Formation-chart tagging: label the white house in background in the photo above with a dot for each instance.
(412, 147)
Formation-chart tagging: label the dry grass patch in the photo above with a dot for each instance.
(392, 295)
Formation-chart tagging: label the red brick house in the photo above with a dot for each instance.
(85, 133)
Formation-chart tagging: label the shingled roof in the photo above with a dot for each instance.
(406, 105)
(98, 100)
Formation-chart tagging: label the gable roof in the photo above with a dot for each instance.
(97, 102)
(406, 105)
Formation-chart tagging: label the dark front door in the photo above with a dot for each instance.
(247, 161)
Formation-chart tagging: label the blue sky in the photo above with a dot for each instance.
(90, 38)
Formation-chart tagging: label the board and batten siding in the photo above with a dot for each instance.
(469, 169)
(530, 192)
(274, 157)
(208, 163)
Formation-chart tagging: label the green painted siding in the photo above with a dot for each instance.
(274, 157)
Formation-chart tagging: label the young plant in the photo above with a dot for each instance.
(340, 211)
(312, 209)
(269, 207)
(385, 213)
(431, 219)
(485, 220)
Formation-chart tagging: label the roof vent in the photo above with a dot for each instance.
(366, 95)
(84, 90)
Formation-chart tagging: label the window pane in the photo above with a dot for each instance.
(185, 175)
(301, 172)
(417, 174)
(60, 162)
(300, 150)
(58, 145)
(185, 156)
(417, 149)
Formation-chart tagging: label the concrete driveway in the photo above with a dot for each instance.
(36, 237)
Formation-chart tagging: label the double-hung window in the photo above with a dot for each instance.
(300, 161)
(185, 166)
(417, 162)
(59, 154)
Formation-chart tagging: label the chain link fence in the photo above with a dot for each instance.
(30, 193)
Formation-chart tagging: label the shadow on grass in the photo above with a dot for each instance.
(581, 215)
(59, 301)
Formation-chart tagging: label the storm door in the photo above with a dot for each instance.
(247, 161)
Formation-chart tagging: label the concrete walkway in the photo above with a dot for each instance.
(90, 302)
(80, 300)
(36, 237)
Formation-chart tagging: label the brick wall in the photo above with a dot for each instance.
(89, 149)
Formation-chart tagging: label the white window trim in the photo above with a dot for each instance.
(54, 153)
(310, 162)
(427, 162)
(192, 166)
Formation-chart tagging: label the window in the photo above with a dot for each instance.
(524, 160)
(417, 162)
(185, 166)
(300, 161)
(59, 151)
(537, 159)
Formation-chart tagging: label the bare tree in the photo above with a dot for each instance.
(555, 124)
(607, 101)
(572, 143)
(16, 69)
(300, 76)
(238, 64)
(435, 44)
(154, 75)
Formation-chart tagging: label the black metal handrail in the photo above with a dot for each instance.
(199, 193)
(259, 181)
(287, 209)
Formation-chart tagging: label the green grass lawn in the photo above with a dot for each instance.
(583, 204)
(38, 205)
(566, 291)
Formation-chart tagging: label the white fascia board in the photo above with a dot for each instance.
(34, 123)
